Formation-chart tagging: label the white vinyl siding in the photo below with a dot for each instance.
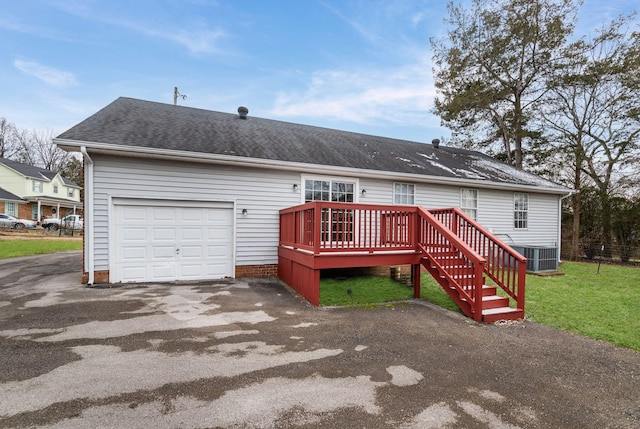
(262, 192)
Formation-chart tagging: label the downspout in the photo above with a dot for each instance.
(560, 222)
(88, 215)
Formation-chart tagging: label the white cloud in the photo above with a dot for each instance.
(401, 95)
(48, 75)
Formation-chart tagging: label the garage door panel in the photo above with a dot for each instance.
(135, 253)
(164, 234)
(134, 234)
(191, 233)
(167, 243)
(163, 252)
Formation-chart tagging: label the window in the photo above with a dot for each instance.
(469, 202)
(403, 193)
(337, 224)
(520, 210)
(34, 212)
(36, 186)
(328, 190)
(11, 209)
(55, 188)
(70, 192)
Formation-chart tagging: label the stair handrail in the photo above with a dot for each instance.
(474, 296)
(505, 266)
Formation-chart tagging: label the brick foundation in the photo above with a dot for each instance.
(98, 277)
(269, 270)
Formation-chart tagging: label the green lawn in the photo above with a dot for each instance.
(12, 248)
(603, 306)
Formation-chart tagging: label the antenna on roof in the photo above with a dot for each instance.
(177, 94)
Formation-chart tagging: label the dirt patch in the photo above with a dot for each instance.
(37, 234)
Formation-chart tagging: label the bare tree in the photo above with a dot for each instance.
(8, 146)
(593, 111)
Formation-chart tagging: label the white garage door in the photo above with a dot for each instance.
(165, 242)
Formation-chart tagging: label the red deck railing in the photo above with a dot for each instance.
(506, 267)
(462, 251)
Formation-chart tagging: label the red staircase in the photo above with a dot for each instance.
(461, 256)
(484, 276)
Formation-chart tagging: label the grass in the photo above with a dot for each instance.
(604, 306)
(13, 248)
(363, 290)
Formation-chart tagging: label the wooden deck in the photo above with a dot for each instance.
(459, 253)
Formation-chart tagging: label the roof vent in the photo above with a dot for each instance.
(435, 143)
(243, 112)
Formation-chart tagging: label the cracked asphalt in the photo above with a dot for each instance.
(251, 354)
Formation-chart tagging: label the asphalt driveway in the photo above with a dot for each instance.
(250, 354)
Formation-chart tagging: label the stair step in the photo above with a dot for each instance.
(494, 301)
(501, 313)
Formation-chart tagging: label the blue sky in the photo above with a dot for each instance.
(362, 65)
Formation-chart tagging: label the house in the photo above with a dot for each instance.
(30, 192)
(178, 193)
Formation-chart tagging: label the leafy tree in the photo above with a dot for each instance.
(492, 67)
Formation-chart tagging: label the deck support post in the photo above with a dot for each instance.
(415, 278)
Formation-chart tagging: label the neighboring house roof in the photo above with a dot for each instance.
(32, 172)
(143, 126)
(9, 197)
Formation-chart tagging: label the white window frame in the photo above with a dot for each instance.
(470, 210)
(55, 188)
(71, 192)
(404, 193)
(331, 180)
(36, 186)
(11, 209)
(520, 210)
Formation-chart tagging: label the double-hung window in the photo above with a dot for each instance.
(11, 209)
(520, 210)
(469, 202)
(36, 186)
(337, 224)
(403, 193)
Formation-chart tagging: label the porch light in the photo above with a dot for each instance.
(295, 187)
(363, 192)
(244, 212)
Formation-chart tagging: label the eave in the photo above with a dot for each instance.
(238, 161)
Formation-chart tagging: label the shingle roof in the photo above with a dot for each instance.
(146, 124)
(34, 172)
(8, 196)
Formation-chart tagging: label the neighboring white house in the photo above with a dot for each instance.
(33, 193)
(177, 193)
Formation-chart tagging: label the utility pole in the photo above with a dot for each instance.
(177, 94)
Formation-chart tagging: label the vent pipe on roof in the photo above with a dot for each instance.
(435, 143)
(243, 112)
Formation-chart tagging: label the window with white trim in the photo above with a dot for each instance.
(469, 202)
(11, 209)
(329, 190)
(36, 186)
(55, 188)
(70, 192)
(403, 193)
(337, 224)
(520, 210)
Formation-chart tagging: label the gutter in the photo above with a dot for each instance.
(89, 251)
